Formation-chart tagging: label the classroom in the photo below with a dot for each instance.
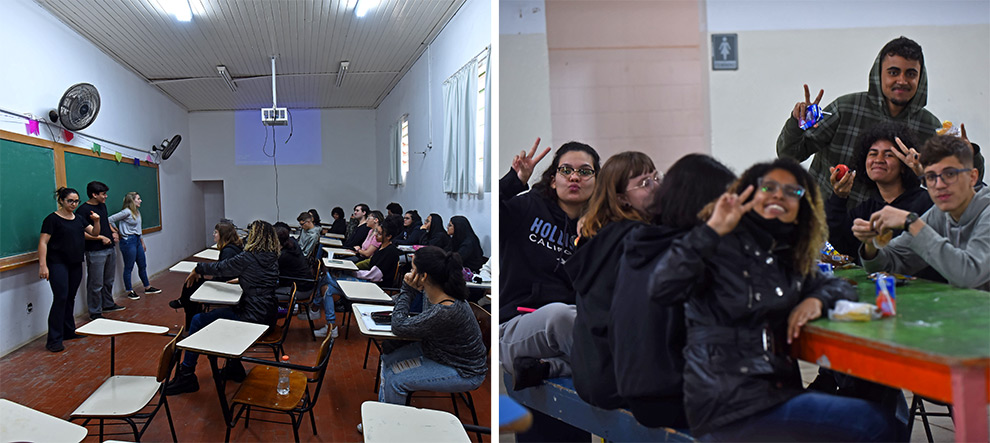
(367, 124)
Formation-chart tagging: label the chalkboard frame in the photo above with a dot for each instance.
(24, 259)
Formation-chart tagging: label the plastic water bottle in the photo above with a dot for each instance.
(283, 378)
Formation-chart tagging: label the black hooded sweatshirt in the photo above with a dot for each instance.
(465, 242)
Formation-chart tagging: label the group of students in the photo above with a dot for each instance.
(678, 295)
(78, 231)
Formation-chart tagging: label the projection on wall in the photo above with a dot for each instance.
(304, 148)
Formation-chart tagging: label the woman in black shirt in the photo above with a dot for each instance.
(435, 234)
(229, 244)
(60, 257)
(464, 241)
(339, 224)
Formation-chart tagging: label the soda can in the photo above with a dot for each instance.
(826, 268)
(886, 296)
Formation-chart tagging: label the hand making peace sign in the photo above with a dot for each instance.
(802, 107)
(524, 164)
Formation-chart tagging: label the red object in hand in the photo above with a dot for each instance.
(842, 169)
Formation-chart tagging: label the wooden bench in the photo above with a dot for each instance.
(557, 398)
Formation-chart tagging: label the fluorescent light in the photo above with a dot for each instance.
(179, 8)
(341, 71)
(363, 6)
(222, 71)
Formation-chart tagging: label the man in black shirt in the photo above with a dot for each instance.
(100, 254)
(357, 235)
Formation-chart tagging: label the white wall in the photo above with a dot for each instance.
(39, 66)
(464, 37)
(831, 46)
(345, 177)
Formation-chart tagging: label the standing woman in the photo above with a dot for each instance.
(748, 282)
(132, 244)
(60, 256)
(435, 234)
(464, 241)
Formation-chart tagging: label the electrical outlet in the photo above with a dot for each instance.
(30, 308)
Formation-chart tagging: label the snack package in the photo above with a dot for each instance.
(886, 300)
(846, 310)
(949, 129)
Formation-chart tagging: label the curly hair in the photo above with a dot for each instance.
(262, 238)
(904, 47)
(885, 131)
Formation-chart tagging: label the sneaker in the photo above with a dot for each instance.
(175, 304)
(132, 295)
(95, 316)
(55, 348)
(322, 332)
(360, 428)
(152, 290)
(114, 308)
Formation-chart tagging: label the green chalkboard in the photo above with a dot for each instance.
(27, 187)
(122, 177)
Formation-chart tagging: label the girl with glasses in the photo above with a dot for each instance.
(411, 232)
(538, 229)
(60, 256)
(748, 281)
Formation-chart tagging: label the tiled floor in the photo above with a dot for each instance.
(57, 383)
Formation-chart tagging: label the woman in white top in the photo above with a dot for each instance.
(132, 245)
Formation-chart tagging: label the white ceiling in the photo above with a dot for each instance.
(310, 38)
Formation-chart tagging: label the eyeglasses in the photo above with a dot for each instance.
(72, 202)
(949, 176)
(584, 173)
(793, 192)
(648, 182)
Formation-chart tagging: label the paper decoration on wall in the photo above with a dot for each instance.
(137, 162)
(67, 135)
(117, 156)
(32, 127)
(96, 148)
(148, 158)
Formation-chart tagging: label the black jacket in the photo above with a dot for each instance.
(536, 239)
(647, 339)
(412, 235)
(357, 237)
(293, 264)
(738, 291)
(593, 270)
(465, 242)
(258, 277)
(339, 226)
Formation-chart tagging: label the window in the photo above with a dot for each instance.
(467, 122)
(479, 134)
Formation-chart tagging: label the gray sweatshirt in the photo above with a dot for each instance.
(129, 225)
(960, 251)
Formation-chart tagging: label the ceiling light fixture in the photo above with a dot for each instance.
(363, 6)
(222, 71)
(179, 8)
(341, 71)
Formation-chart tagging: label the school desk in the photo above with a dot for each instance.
(373, 331)
(331, 252)
(208, 254)
(365, 292)
(183, 267)
(332, 235)
(937, 346)
(217, 293)
(21, 423)
(384, 422)
(337, 264)
(223, 338)
(331, 242)
(113, 328)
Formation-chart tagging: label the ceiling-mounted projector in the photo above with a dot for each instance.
(274, 116)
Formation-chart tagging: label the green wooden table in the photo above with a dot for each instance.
(937, 346)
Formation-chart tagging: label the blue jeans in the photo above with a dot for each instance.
(131, 250)
(199, 321)
(407, 370)
(326, 299)
(815, 416)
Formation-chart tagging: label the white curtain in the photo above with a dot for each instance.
(487, 186)
(459, 107)
(395, 154)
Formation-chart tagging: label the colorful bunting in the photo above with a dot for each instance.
(96, 148)
(117, 156)
(137, 162)
(67, 135)
(32, 127)
(148, 158)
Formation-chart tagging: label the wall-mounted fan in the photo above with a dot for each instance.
(168, 147)
(77, 108)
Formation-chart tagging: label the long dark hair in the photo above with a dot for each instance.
(543, 186)
(436, 226)
(463, 232)
(692, 182)
(443, 269)
(316, 216)
(811, 226)
(885, 131)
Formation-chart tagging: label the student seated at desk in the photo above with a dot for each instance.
(465, 242)
(411, 232)
(434, 232)
(309, 235)
(386, 258)
(450, 355)
(393, 209)
(257, 272)
(230, 244)
(291, 262)
(370, 244)
(748, 281)
(357, 228)
(339, 226)
(953, 237)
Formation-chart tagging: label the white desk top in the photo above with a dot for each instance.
(366, 292)
(333, 263)
(184, 267)
(337, 236)
(406, 248)
(331, 242)
(106, 326)
(21, 423)
(208, 254)
(385, 422)
(214, 246)
(483, 285)
(223, 337)
(341, 252)
(368, 326)
(217, 293)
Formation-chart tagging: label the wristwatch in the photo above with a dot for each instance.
(911, 218)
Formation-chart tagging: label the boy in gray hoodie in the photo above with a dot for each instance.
(953, 236)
